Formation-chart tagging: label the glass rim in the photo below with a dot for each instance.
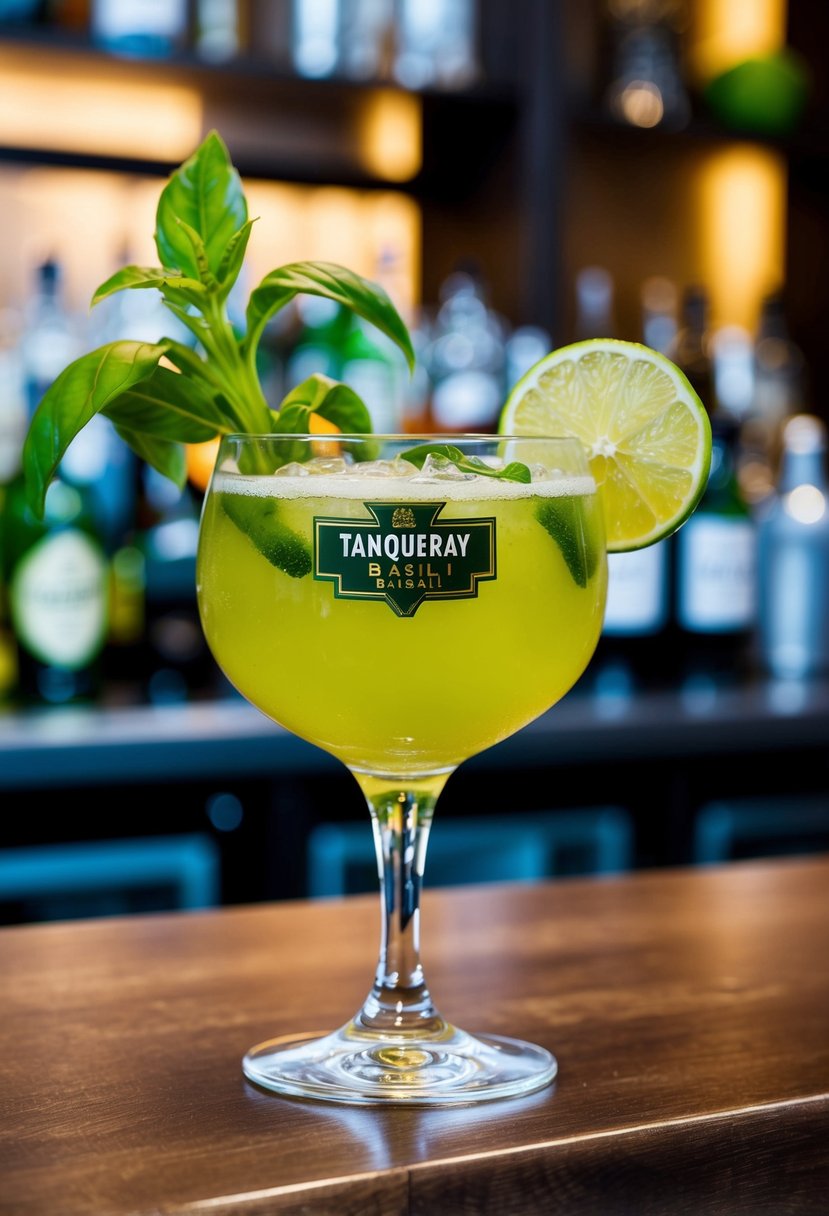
(402, 437)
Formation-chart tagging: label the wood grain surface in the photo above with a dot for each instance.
(689, 1012)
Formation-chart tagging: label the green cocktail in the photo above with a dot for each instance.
(403, 619)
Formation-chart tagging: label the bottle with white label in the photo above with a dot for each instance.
(794, 557)
(716, 556)
(56, 576)
(631, 652)
(54, 569)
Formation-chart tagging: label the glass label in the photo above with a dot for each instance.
(404, 555)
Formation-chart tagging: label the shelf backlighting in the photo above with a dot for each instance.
(726, 32)
(96, 115)
(742, 222)
(390, 135)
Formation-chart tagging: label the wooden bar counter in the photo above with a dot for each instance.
(689, 1012)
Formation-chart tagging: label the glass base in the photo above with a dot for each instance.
(354, 1067)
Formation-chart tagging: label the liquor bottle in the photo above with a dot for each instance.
(375, 375)
(466, 358)
(525, 346)
(437, 44)
(794, 557)
(716, 584)
(647, 89)
(779, 370)
(320, 342)
(219, 32)
(631, 651)
(367, 39)
(151, 28)
(659, 306)
(13, 419)
(56, 576)
(55, 569)
(692, 349)
(594, 305)
(316, 37)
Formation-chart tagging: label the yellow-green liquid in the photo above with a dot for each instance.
(401, 695)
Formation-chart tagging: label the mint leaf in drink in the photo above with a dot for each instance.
(514, 471)
(211, 388)
(259, 519)
(564, 519)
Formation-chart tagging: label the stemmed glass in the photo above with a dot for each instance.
(404, 607)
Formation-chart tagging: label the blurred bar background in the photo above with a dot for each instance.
(517, 175)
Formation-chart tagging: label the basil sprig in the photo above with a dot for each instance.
(161, 395)
(515, 471)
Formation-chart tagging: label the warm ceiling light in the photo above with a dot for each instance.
(390, 135)
(96, 115)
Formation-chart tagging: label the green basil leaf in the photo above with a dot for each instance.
(82, 389)
(330, 399)
(332, 282)
(163, 454)
(564, 519)
(206, 278)
(258, 518)
(206, 194)
(145, 276)
(170, 406)
(233, 257)
(188, 360)
(514, 471)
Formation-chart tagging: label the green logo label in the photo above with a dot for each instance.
(404, 555)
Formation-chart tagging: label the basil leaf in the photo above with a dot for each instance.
(259, 519)
(170, 406)
(564, 519)
(145, 276)
(206, 194)
(82, 389)
(331, 399)
(163, 454)
(332, 282)
(233, 257)
(515, 471)
(206, 278)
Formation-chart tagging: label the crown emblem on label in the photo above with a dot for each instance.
(403, 517)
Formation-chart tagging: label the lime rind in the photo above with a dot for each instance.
(645, 430)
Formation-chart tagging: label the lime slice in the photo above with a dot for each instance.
(646, 432)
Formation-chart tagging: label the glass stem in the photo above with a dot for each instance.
(401, 814)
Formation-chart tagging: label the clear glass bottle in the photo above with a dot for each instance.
(794, 557)
(144, 28)
(466, 358)
(437, 43)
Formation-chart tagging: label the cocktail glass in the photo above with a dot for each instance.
(403, 615)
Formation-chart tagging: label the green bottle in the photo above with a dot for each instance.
(376, 375)
(54, 569)
(56, 579)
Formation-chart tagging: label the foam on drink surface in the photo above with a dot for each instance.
(410, 489)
